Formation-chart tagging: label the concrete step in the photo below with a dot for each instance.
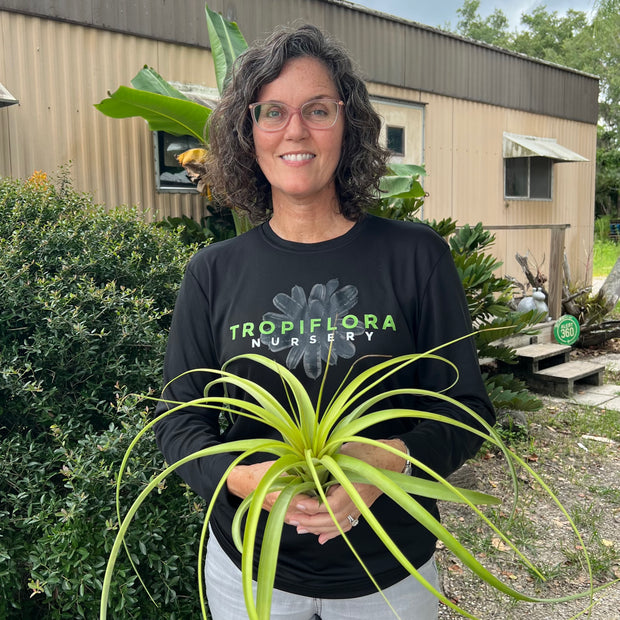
(535, 357)
(560, 379)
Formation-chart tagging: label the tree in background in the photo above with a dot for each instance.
(573, 40)
(492, 29)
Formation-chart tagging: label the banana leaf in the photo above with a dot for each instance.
(173, 115)
(227, 43)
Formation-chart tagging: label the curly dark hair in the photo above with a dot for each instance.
(234, 174)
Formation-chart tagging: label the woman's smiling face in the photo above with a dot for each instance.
(299, 162)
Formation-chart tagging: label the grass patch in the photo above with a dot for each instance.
(586, 421)
(605, 255)
(603, 555)
(612, 376)
(610, 494)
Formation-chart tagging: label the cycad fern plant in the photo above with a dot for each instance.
(488, 300)
(308, 460)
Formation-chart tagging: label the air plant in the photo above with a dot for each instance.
(308, 461)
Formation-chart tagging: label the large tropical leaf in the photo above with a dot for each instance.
(227, 43)
(148, 79)
(402, 182)
(179, 117)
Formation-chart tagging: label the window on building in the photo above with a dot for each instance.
(396, 140)
(170, 176)
(528, 165)
(528, 178)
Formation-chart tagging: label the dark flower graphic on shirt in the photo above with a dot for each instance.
(310, 325)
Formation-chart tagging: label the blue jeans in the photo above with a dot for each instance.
(410, 600)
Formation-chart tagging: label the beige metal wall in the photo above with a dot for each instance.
(464, 162)
(408, 115)
(58, 71)
(46, 64)
(411, 55)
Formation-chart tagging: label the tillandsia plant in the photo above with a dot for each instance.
(308, 460)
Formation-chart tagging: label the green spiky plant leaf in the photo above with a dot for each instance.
(308, 460)
(227, 43)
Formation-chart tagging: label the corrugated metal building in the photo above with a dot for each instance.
(450, 103)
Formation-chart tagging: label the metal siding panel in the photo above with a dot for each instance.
(463, 156)
(61, 70)
(7, 114)
(5, 142)
(537, 89)
(363, 36)
(381, 43)
(109, 14)
(256, 20)
(72, 10)
(465, 64)
(579, 94)
(415, 68)
(521, 94)
(475, 74)
(438, 120)
(439, 68)
(552, 94)
(183, 22)
(495, 76)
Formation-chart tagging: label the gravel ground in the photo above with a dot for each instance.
(586, 480)
(577, 475)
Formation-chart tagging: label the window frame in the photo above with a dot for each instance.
(160, 167)
(403, 138)
(548, 179)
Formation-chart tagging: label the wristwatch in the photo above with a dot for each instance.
(408, 468)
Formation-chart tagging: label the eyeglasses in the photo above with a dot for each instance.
(314, 114)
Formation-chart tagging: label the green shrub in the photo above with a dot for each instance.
(58, 509)
(488, 298)
(86, 298)
(85, 304)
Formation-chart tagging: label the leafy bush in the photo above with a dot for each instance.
(85, 304)
(488, 298)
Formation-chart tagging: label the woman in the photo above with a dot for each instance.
(294, 143)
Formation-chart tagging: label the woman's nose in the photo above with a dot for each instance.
(295, 127)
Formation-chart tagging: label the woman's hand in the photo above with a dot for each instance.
(244, 479)
(311, 516)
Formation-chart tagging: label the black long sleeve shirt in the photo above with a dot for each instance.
(383, 288)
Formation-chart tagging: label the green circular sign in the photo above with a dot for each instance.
(566, 329)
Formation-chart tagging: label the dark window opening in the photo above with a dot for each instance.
(396, 140)
(170, 176)
(528, 178)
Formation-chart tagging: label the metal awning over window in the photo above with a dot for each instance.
(5, 97)
(530, 146)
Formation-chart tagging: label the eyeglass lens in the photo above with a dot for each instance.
(318, 113)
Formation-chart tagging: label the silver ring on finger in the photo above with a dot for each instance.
(352, 520)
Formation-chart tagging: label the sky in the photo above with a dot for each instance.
(440, 12)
